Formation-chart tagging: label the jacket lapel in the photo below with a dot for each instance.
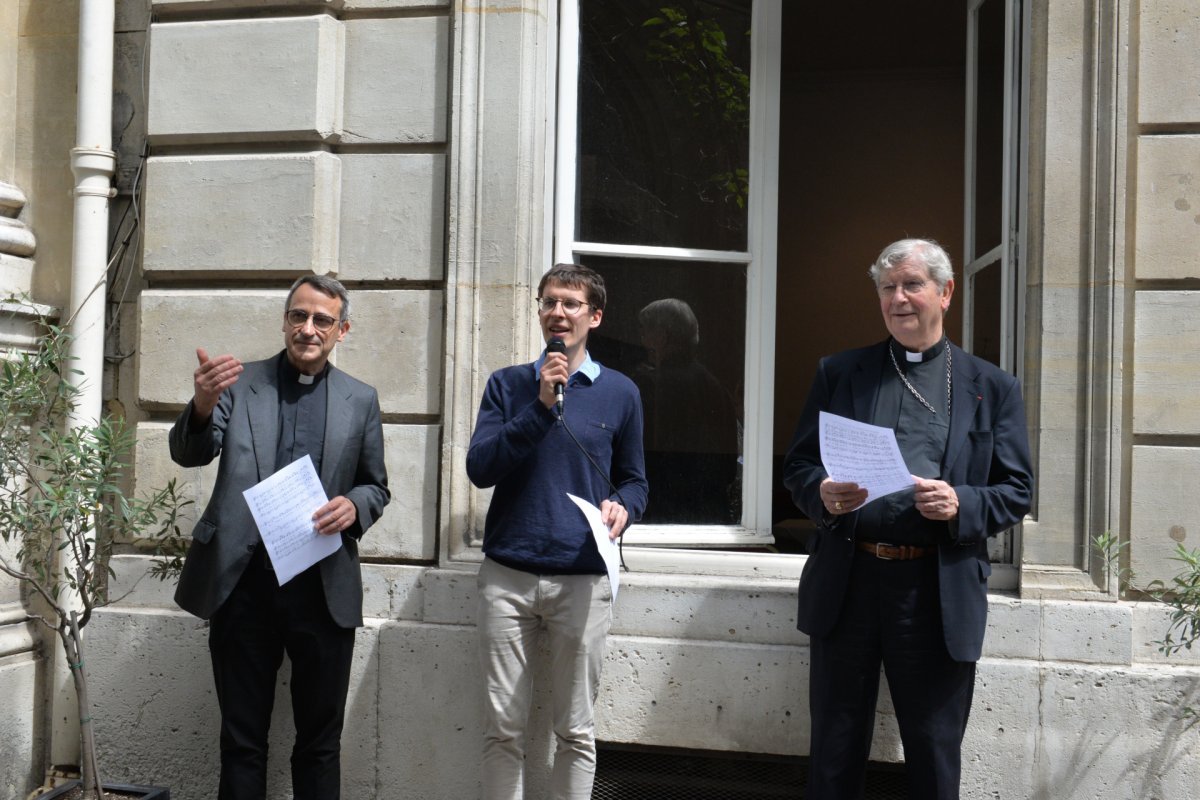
(864, 383)
(965, 401)
(337, 423)
(263, 411)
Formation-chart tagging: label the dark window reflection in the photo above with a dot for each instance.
(986, 320)
(678, 330)
(989, 129)
(664, 101)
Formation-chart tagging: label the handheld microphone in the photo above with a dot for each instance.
(556, 345)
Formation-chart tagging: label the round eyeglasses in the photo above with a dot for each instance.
(322, 322)
(570, 305)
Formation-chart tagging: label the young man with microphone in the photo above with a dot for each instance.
(560, 425)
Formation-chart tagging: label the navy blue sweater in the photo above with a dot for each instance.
(521, 448)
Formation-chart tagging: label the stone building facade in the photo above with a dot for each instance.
(417, 150)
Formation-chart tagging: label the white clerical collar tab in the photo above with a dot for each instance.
(306, 379)
(915, 358)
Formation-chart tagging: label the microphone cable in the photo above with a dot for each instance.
(611, 486)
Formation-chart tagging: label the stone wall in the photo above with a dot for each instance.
(1164, 220)
(312, 139)
(1072, 699)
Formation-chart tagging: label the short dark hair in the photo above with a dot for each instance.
(577, 276)
(326, 285)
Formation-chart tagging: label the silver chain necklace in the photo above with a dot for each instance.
(913, 389)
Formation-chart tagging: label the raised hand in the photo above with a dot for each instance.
(213, 376)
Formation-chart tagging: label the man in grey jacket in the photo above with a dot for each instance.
(260, 417)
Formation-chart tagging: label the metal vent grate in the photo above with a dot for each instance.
(641, 773)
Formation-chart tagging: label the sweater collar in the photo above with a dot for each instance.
(589, 369)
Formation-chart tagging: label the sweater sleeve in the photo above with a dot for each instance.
(499, 443)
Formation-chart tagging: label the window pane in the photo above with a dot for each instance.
(985, 313)
(678, 330)
(664, 100)
(989, 128)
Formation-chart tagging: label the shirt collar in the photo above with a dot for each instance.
(904, 356)
(590, 369)
(288, 374)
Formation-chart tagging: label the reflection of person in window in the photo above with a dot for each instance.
(902, 581)
(691, 423)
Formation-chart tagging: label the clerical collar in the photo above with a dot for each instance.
(289, 374)
(916, 358)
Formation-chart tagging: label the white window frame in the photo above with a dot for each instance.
(759, 259)
(1009, 254)
(658, 546)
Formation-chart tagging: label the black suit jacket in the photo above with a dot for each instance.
(243, 430)
(986, 461)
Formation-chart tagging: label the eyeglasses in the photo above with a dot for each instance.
(322, 322)
(570, 305)
(909, 287)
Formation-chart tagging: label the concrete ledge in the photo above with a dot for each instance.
(1039, 728)
(1090, 633)
(156, 712)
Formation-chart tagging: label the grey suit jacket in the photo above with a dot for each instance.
(243, 430)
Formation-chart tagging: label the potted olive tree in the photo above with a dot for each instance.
(63, 503)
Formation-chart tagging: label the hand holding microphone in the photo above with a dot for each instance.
(554, 374)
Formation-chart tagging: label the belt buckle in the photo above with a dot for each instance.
(880, 555)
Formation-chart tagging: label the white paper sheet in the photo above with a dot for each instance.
(283, 506)
(606, 546)
(855, 452)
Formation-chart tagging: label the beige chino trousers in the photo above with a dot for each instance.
(515, 609)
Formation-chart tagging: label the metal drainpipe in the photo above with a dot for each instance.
(93, 164)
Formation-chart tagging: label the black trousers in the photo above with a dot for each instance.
(892, 616)
(248, 637)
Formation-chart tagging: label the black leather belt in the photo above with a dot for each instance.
(895, 552)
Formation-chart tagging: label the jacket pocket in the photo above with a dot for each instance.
(980, 454)
(203, 532)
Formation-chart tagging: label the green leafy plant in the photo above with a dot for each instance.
(1181, 594)
(693, 50)
(63, 503)
(1110, 547)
